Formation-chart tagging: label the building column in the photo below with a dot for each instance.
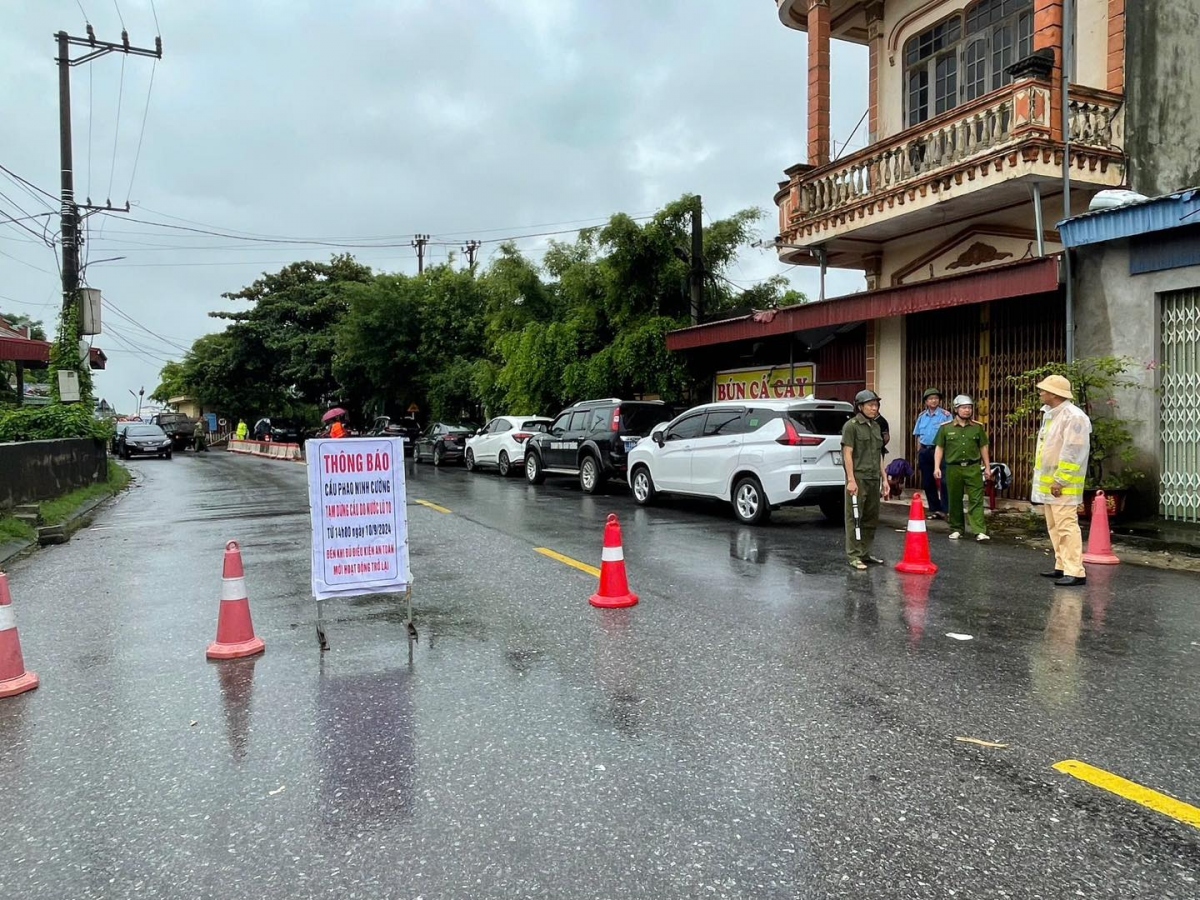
(874, 11)
(1116, 46)
(1048, 35)
(891, 382)
(818, 82)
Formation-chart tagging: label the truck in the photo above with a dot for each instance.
(178, 426)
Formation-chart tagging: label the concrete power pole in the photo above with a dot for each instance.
(471, 248)
(697, 262)
(419, 241)
(70, 209)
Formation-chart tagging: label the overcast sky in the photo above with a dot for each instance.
(377, 120)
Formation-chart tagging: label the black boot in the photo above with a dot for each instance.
(1054, 573)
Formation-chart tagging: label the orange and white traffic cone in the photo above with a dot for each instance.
(916, 545)
(13, 677)
(235, 631)
(1100, 551)
(614, 590)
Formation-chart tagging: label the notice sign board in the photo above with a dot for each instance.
(359, 519)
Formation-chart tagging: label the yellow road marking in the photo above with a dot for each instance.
(433, 506)
(1144, 796)
(567, 561)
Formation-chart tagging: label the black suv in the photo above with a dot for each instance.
(591, 440)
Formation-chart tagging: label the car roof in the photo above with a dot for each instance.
(525, 418)
(582, 404)
(780, 405)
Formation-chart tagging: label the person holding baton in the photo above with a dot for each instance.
(866, 479)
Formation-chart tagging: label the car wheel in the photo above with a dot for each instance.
(643, 486)
(505, 464)
(749, 502)
(590, 479)
(437, 454)
(832, 508)
(533, 469)
(469, 460)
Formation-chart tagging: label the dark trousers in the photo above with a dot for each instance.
(936, 501)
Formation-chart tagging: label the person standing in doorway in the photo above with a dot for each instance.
(962, 444)
(929, 422)
(866, 480)
(1059, 471)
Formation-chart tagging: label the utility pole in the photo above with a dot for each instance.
(697, 262)
(419, 241)
(471, 248)
(70, 209)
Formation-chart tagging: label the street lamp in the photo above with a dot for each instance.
(138, 398)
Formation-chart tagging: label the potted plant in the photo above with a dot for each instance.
(1112, 461)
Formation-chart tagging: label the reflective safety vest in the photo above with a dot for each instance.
(1062, 454)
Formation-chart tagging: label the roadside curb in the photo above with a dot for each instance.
(14, 549)
(79, 519)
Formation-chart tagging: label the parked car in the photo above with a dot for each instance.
(284, 431)
(591, 440)
(757, 456)
(118, 430)
(443, 442)
(149, 440)
(179, 427)
(406, 428)
(501, 442)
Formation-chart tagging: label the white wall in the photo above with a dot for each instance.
(890, 379)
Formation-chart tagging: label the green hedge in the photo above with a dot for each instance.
(59, 420)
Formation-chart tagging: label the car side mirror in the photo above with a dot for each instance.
(657, 437)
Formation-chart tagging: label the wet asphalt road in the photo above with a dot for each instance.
(766, 723)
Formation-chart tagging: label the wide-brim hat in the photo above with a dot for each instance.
(931, 392)
(1056, 385)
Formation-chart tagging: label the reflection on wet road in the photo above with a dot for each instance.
(765, 723)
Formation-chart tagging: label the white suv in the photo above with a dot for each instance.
(757, 455)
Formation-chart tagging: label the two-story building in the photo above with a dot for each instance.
(975, 151)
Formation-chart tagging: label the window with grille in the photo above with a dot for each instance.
(965, 56)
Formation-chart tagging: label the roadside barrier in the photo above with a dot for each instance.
(1100, 549)
(13, 677)
(916, 545)
(614, 590)
(235, 631)
(267, 449)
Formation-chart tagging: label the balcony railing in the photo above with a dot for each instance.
(995, 121)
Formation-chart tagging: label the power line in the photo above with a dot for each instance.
(120, 312)
(85, 15)
(154, 12)
(117, 126)
(22, 262)
(29, 184)
(119, 16)
(142, 133)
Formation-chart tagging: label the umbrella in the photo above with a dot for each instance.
(333, 414)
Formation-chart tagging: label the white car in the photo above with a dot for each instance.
(501, 442)
(757, 455)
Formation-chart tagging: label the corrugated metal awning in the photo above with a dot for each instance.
(1019, 279)
(1147, 216)
(37, 353)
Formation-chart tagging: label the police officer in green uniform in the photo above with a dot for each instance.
(866, 481)
(963, 444)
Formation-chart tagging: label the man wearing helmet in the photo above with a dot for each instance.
(929, 422)
(962, 444)
(866, 478)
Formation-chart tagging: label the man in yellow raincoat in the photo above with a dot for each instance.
(1059, 471)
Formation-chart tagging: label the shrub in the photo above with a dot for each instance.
(53, 422)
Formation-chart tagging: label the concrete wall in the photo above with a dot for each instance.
(1091, 43)
(891, 379)
(1118, 314)
(42, 470)
(1162, 74)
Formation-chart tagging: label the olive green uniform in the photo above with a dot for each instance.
(865, 440)
(962, 452)
(198, 436)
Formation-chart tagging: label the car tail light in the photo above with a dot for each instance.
(793, 438)
(522, 436)
(616, 420)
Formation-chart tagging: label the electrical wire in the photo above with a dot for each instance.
(91, 79)
(85, 15)
(29, 184)
(142, 133)
(154, 12)
(119, 16)
(131, 320)
(117, 127)
(22, 262)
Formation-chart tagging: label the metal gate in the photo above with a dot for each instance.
(973, 350)
(1179, 483)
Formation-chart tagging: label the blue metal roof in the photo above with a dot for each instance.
(1155, 214)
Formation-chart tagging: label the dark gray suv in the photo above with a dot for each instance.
(591, 440)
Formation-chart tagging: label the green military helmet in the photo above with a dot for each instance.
(931, 392)
(863, 397)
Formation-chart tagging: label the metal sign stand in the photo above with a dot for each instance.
(409, 627)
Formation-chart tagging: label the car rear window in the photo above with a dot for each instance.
(640, 418)
(535, 425)
(144, 431)
(820, 421)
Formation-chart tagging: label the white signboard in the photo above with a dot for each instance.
(359, 520)
(68, 386)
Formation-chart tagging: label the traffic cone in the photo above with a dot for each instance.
(235, 631)
(1099, 551)
(916, 545)
(13, 677)
(614, 590)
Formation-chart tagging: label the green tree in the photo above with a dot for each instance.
(171, 382)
